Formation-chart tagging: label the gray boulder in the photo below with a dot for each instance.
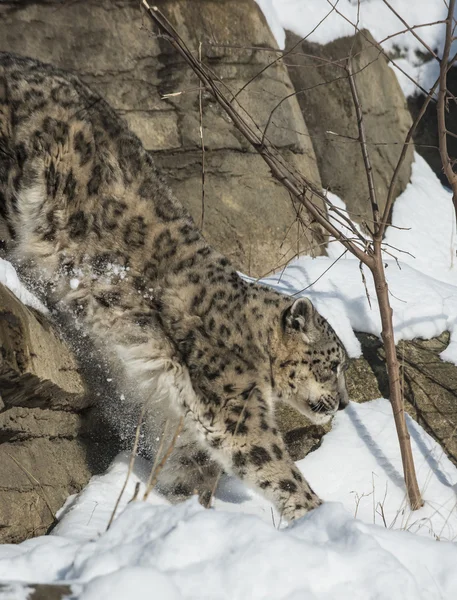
(430, 385)
(325, 99)
(43, 453)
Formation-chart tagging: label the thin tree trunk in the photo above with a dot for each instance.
(393, 372)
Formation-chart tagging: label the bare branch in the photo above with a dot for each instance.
(364, 281)
(362, 33)
(202, 141)
(411, 30)
(391, 193)
(284, 54)
(321, 275)
(363, 144)
(312, 87)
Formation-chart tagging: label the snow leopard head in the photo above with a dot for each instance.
(311, 363)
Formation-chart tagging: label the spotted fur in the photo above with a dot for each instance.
(107, 243)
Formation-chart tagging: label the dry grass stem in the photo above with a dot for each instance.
(157, 457)
(131, 463)
(38, 483)
(161, 464)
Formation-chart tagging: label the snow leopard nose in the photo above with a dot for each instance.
(342, 403)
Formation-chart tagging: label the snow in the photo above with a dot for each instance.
(362, 449)
(74, 283)
(10, 279)
(361, 458)
(428, 232)
(323, 21)
(186, 552)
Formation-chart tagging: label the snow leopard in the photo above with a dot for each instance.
(105, 242)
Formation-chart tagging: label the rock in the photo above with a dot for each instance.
(43, 454)
(247, 215)
(37, 477)
(325, 99)
(34, 361)
(300, 435)
(430, 385)
(35, 591)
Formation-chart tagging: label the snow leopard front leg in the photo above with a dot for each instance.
(189, 470)
(242, 436)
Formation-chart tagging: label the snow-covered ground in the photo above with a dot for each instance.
(325, 20)
(154, 550)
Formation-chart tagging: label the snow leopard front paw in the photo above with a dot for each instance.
(296, 510)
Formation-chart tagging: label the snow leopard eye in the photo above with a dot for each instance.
(334, 366)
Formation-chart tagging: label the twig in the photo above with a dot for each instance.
(131, 463)
(411, 30)
(307, 89)
(364, 281)
(289, 52)
(382, 51)
(200, 104)
(393, 182)
(321, 275)
(284, 53)
(35, 480)
(166, 456)
(363, 143)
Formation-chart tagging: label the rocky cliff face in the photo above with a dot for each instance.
(243, 212)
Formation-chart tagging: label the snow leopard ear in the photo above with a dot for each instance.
(300, 317)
